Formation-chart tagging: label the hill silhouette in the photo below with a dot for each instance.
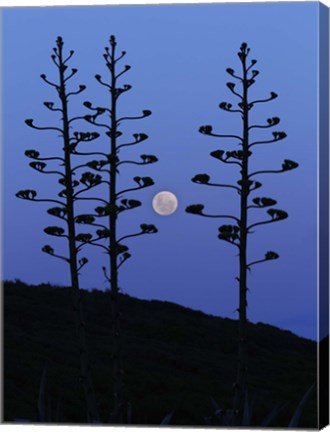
(175, 359)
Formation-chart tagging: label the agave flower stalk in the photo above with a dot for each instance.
(238, 233)
(115, 204)
(65, 206)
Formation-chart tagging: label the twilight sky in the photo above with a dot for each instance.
(178, 54)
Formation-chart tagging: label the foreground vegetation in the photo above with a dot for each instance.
(176, 359)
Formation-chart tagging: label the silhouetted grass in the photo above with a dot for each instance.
(175, 359)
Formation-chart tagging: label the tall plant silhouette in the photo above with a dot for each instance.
(114, 205)
(65, 205)
(238, 232)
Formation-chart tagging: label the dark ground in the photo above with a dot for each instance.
(175, 359)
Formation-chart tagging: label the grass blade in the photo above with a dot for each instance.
(297, 414)
(167, 419)
(272, 415)
(247, 412)
(42, 407)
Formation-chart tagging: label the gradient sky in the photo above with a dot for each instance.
(178, 55)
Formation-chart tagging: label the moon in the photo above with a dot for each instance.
(165, 203)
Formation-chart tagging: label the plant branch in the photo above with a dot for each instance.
(29, 122)
(86, 189)
(220, 216)
(73, 72)
(80, 90)
(273, 95)
(50, 251)
(278, 136)
(146, 113)
(266, 172)
(270, 123)
(44, 200)
(89, 154)
(129, 190)
(125, 258)
(43, 77)
(223, 185)
(138, 138)
(91, 119)
(91, 199)
(207, 130)
(99, 79)
(270, 255)
(231, 87)
(231, 242)
(276, 216)
(50, 106)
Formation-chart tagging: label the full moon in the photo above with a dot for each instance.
(165, 203)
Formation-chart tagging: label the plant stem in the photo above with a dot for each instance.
(85, 373)
(118, 388)
(241, 380)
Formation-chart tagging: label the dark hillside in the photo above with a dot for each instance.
(175, 358)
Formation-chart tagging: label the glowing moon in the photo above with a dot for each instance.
(165, 203)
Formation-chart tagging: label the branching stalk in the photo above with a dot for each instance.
(117, 252)
(68, 214)
(237, 235)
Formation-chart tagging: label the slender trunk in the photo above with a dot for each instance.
(241, 380)
(117, 372)
(85, 374)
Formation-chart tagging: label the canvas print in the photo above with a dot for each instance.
(165, 215)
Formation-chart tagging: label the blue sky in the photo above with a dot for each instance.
(178, 54)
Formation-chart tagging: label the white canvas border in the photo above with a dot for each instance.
(31, 3)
